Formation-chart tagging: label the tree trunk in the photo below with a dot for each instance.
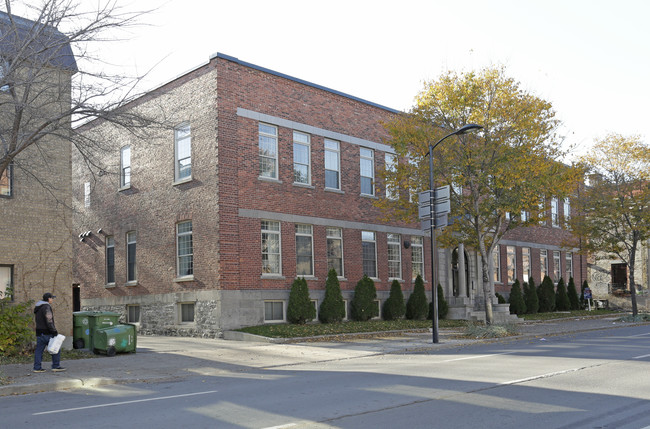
(635, 310)
(487, 291)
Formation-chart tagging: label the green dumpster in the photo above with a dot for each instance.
(116, 339)
(86, 322)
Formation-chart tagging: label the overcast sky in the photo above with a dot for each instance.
(589, 58)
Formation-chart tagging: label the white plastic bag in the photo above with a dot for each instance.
(54, 345)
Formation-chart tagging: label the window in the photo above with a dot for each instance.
(543, 264)
(130, 257)
(185, 249)
(182, 153)
(187, 312)
(417, 257)
(133, 314)
(335, 250)
(332, 164)
(270, 247)
(567, 209)
(511, 262)
(496, 261)
(557, 269)
(301, 158)
(525, 262)
(6, 182)
(273, 311)
(110, 260)
(524, 216)
(4, 67)
(367, 169)
(555, 218)
(6, 281)
(394, 256)
(369, 260)
(542, 212)
(391, 166)
(568, 265)
(87, 194)
(268, 147)
(304, 250)
(125, 166)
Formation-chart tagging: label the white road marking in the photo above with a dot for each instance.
(475, 357)
(641, 357)
(113, 404)
(288, 425)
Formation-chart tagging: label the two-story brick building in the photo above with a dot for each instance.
(262, 178)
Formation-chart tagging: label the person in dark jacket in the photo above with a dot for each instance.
(45, 329)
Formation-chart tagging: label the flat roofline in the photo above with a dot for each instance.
(301, 81)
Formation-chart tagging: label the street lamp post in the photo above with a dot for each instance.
(432, 212)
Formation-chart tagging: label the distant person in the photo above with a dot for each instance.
(45, 330)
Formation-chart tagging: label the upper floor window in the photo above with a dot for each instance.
(567, 209)
(6, 281)
(367, 169)
(335, 250)
(332, 164)
(417, 257)
(184, 249)
(6, 182)
(268, 150)
(87, 194)
(301, 158)
(524, 216)
(110, 260)
(304, 250)
(394, 256)
(271, 256)
(125, 166)
(555, 216)
(130, 257)
(4, 67)
(369, 253)
(391, 166)
(182, 152)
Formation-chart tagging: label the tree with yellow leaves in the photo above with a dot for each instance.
(614, 210)
(507, 169)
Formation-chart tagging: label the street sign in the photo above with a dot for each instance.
(424, 211)
(443, 206)
(441, 221)
(442, 193)
(424, 198)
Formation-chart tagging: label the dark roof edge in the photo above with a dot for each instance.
(304, 82)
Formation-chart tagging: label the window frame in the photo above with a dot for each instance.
(567, 209)
(182, 135)
(131, 261)
(10, 284)
(109, 257)
(555, 214)
(8, 177)
(394, 240)
(310, 236)
(274, 138)
(130, 307)
(337, 153)
(275, 302)
(390, 161)
(366, 240)
(277, 233)
(369, 157)
(511, 264)
(190, 255)
(302, 145)
(496, 264)
(331, 238)
(125, 169)
(183, 307)
(543, 264)
(568, 265)
(557, 266)
(417, 242)
(526, 264)
(86, 194)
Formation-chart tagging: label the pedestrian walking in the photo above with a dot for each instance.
(45, 330)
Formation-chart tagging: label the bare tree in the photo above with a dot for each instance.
(51, 82)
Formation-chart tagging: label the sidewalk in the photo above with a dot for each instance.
(169, 358)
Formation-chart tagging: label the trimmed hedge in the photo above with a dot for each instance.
(363, 306)
(300, 308)
(417, 306)
(394, 307)
(332, 309)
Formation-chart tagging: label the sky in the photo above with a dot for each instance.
(589, 58)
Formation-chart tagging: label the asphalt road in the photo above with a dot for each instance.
(597, 379)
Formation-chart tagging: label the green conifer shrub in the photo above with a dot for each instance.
(500, 298)
(530, 297)
(546, 295)
(516, 299)
(363, 306)
(300, 308)
(394, 307)
(332, 309)
(562, 302)
(417, 306)
(573, 295)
